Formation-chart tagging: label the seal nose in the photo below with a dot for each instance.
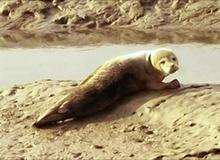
(173, 68)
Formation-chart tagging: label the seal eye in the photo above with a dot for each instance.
(174, 59)
(162, 62)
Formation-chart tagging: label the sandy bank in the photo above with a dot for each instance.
(179, 124)
(25, 23)
(60, 15)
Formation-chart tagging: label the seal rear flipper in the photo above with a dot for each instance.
(58, 113)
(49, 119)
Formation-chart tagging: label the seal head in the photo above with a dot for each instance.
(164, 60)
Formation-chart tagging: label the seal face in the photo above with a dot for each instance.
(116, 78)
(165, 61)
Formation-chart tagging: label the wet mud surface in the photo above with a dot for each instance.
(17, 39)
(58, 15)
(83, 22)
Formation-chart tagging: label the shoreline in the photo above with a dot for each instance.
(80, 38)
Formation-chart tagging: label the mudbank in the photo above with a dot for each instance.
(183, 124)
(83, 22)
(60, 15)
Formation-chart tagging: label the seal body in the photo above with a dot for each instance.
(112, 81)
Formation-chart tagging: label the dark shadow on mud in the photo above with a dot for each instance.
(123, 108)
(126, 107)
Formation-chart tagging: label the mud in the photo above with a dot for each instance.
(17, 39)
(182, 124)
(78, 22)
(136, 14)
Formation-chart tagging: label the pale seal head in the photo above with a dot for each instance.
(164, 60)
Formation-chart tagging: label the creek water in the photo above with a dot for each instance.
(199, 62)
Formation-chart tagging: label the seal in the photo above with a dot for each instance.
(116, 78)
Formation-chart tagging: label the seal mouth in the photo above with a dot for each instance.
(173, 69)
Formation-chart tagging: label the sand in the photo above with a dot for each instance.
(69, 15)
(182, 124)
(25, 23)
(178, 124)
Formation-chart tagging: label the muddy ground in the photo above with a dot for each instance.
(19, 39)
(25, 23)
(59, 15)
(180, 124)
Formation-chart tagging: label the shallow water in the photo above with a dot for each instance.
(200, 63)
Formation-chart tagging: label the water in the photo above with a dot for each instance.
(199, 63)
